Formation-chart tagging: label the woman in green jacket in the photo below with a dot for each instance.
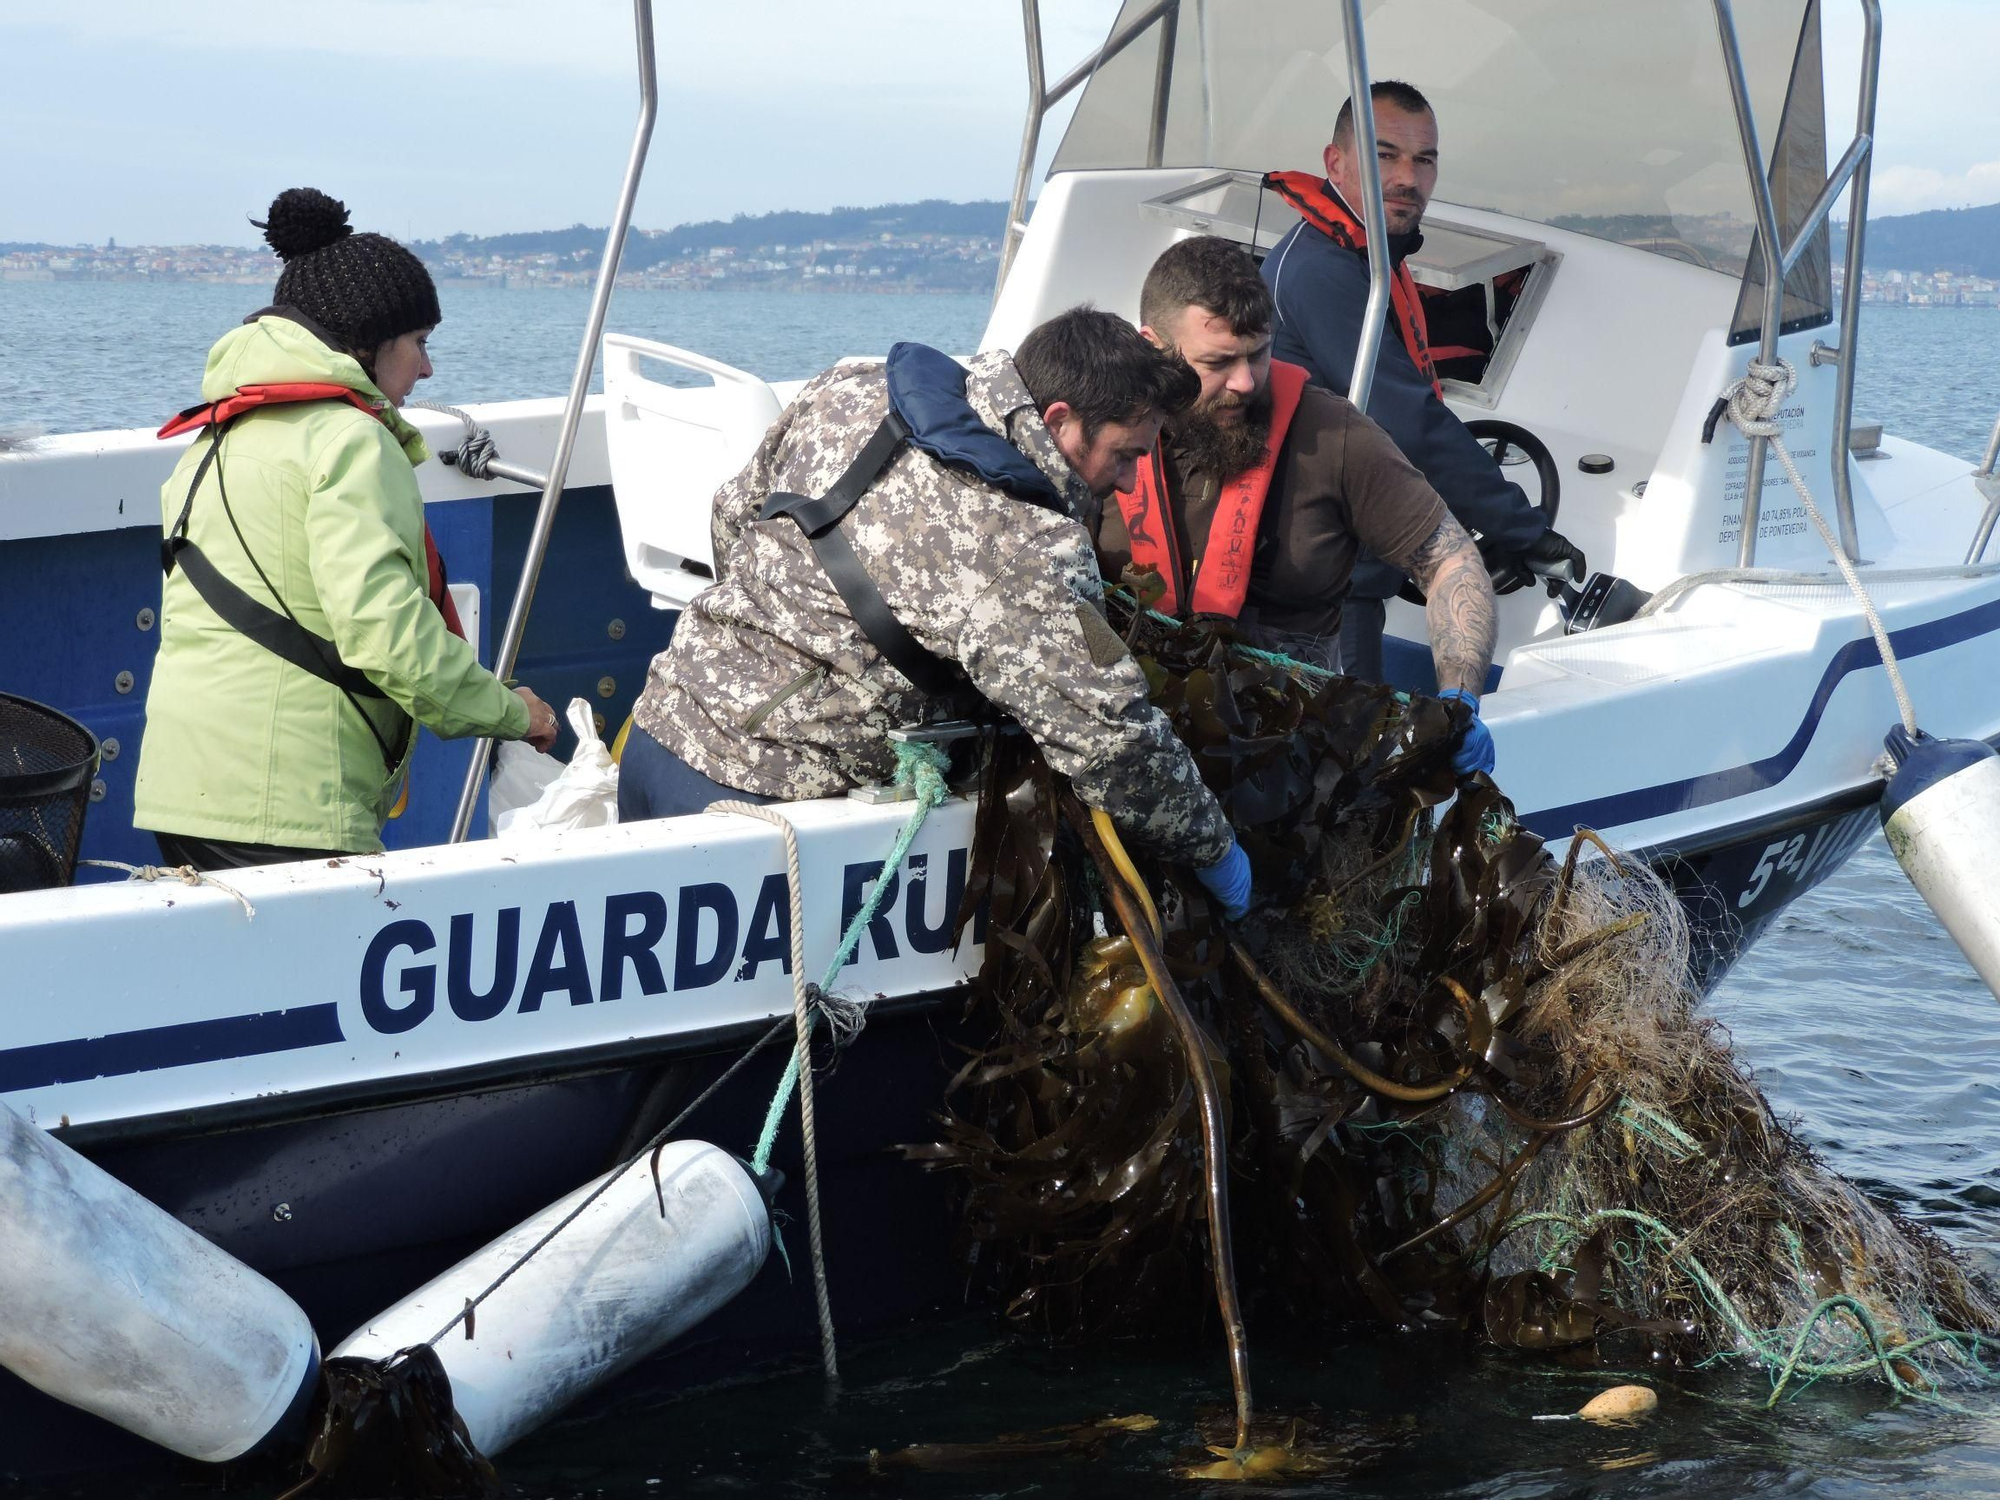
(302, 519)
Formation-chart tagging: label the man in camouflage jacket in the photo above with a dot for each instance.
(770, 686)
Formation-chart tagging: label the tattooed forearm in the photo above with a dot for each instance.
(1460, 609)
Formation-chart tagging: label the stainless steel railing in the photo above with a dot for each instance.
(1376, 313)
(579, 387)
(1989, 486)
(1779, 258)
(1043, 97)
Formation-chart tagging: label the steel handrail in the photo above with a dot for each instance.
(1376, 314)
(1042, 98)
(1988, 485)
(1850, 295)
(579, 388)
(1779, 258)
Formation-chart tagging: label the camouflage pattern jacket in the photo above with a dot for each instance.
(770, 686)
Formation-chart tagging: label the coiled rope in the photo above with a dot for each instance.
(1754, 402)
(476, 451)
(920, 767)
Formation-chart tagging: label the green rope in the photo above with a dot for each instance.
(1275, 658)
(921, 767)
(1653, 1126)
(1374, 948)
(1872, 1354)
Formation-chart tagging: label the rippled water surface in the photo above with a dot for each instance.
(1859, 1016)
(76, 356)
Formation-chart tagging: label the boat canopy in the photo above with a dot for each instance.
(1610, 120)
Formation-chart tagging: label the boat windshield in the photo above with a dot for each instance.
(1610, 120)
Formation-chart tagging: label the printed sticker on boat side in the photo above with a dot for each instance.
(1787, 866)
(480, 965)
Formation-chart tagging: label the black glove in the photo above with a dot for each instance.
(1550, 556)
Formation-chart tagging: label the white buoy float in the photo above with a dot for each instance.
(613, 1287)
(1941, 815)
(112, 1304)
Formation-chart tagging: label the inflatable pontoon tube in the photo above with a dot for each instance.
(1941, 813)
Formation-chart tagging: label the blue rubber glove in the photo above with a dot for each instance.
(1228, 880)
(1475, 752)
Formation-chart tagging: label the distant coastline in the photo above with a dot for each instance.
(1946, 258)
(932, 246)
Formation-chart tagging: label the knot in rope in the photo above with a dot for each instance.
(920, 766)
(1754, 401)
(844, 1017)
(475, 450)
(185, 874)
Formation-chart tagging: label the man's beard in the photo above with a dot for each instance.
(1223, 452)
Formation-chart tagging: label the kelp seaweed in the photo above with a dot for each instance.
(1467, 1086)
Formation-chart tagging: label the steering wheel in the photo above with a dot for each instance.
(1505, 435)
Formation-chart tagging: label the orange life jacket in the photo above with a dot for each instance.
(1320, 207)
(1222, 573)
(288, 392)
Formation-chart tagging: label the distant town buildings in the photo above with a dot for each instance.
(876, 261)
(1926, 289)
(863, 262)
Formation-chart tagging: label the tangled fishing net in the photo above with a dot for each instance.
(1467, 1086)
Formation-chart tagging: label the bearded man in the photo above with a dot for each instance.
(1259, 497)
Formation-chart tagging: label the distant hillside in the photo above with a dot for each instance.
(744, 232)
(1964, 241)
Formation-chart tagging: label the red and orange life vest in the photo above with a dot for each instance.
(1222, 576)
(1320, 207)
(288, 392)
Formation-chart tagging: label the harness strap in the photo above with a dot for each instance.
(819, 518)
(279, 633)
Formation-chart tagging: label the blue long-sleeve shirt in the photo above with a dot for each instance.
(1321, 292)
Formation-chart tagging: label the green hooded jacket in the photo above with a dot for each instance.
(239, 744)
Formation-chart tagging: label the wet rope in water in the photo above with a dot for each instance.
(921, 767)
(1785, 1354)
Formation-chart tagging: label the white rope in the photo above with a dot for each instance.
(1753, 406)
(477, 450)
(185, 874)
(845, 1022)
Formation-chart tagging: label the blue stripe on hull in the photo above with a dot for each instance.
(1719, 786)
(178, 1046)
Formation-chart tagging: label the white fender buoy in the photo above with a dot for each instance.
(1941, 814)
(610, 1289)
(112, 1304)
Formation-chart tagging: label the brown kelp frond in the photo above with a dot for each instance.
(1468, 1086)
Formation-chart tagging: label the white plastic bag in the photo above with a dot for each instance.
(533, 791)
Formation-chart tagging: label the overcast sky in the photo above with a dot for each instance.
(171, 121)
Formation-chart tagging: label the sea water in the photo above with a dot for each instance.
(1861, 1019)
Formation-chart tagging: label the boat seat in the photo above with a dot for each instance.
(671, 446)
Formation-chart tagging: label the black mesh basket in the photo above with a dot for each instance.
(47, 761)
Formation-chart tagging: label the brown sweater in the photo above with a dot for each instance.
(1340, 485)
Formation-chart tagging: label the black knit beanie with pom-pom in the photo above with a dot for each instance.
(363, 289)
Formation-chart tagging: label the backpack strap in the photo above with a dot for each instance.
(819, 518)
